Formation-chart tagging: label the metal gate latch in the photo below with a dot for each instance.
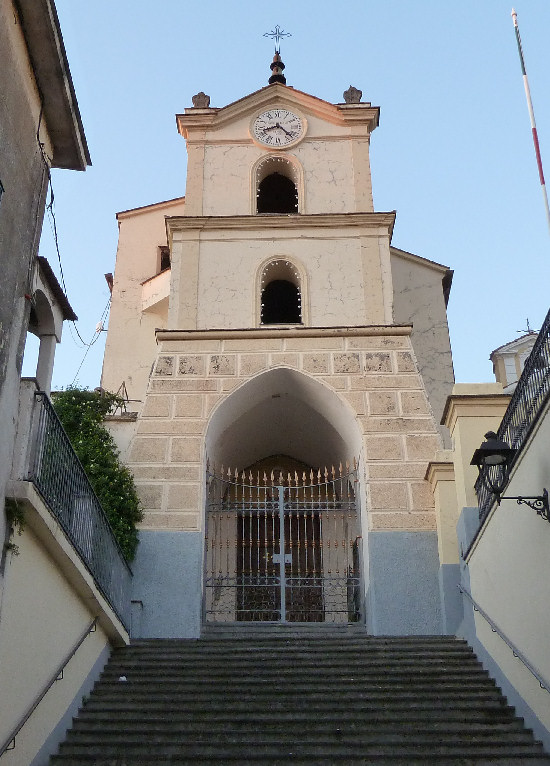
(277, 558)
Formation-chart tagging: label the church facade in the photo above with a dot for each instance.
(288, 368)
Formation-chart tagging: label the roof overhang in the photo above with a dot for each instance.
(48, 58)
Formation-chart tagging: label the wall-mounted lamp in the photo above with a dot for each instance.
(494, 459)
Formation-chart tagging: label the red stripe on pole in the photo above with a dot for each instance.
(537, 152)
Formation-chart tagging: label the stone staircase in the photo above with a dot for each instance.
(312, 695)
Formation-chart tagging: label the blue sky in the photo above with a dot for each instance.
(453, 154)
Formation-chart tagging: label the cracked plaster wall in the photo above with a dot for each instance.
(336, 170)
(419, 300)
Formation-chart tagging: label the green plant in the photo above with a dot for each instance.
(16, 523)
(82, 413)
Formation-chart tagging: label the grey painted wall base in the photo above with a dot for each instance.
(167, 585)
(452, 611)
(51, 745)
(403, 596)
(467, 630)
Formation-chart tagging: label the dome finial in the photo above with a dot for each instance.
(277, 64)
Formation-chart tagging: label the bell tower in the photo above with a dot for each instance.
(286, 340)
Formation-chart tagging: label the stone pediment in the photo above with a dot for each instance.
(282, 96)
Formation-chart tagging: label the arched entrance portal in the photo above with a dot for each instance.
(283, 540)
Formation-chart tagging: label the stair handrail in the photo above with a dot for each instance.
(515, 651)
(57, 675)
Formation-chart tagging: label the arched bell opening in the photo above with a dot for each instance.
(280, 293)
(277, 183)
(283, 539)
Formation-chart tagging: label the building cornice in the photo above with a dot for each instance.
(339, 114)
(291, 221)
(284, 332)
(48, 59)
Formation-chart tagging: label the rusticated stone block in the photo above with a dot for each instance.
(414, 403)
(222, 364)
(253, 344)
(310, 344)
(338, 383)
(188, 406)
(378, 361)
(356, 400)
(378, 342)
(191, 365)
(167, 472)
(150, 495)
(346, 363)
(211, 401)
(149, 450)
(422, 496)
(229, 384)
(384, 447)
(164, 366)
(397, 470)
(183, 496)
(250, 364)
(385, 381)
(184, 384)
(403, 425)
(317, 364)
(402, 521)
(382, 403)
(185, 450)
(388, 495)
(178, 427)
(421, 447)
(405, 362)
(289, 360)
(157, 406)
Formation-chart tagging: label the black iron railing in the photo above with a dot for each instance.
(526, 404)
(57, 473)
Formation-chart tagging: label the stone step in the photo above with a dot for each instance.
(158, 759)
(362, 748)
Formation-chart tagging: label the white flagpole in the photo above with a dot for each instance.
(531, 116)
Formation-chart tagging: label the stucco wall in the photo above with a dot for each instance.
(509, 576)
(23, 176)
(418, 299)
(42, 618)
(130, 348)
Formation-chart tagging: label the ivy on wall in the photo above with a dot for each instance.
(82, 413)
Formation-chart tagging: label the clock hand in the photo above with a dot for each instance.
(283, 129)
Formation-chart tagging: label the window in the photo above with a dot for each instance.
(276, 184)
(164, 257)
(277, 194)
(281, 300)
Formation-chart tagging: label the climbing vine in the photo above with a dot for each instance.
(82, 413)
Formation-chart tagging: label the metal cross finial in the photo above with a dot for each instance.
(277, 34)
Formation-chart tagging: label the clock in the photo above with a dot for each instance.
(278, 128)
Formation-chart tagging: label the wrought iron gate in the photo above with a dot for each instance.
(282, 548)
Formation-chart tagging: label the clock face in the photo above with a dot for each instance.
(278, 128)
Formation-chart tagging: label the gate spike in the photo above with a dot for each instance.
(250, 477)
(311, 476)
(341, 469)
(243, 477)
(281, 478)
(326, 475)
(304, 477)
(318, 476)
(289, 480)
(229, 473)
(265, 478)
(296, 477)
(347, 467)
(333, 472)
(272, 477)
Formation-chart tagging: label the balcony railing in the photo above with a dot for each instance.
(526, 404)
(57, 473)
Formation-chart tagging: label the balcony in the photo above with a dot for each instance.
(45, 465)
(527, 404)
